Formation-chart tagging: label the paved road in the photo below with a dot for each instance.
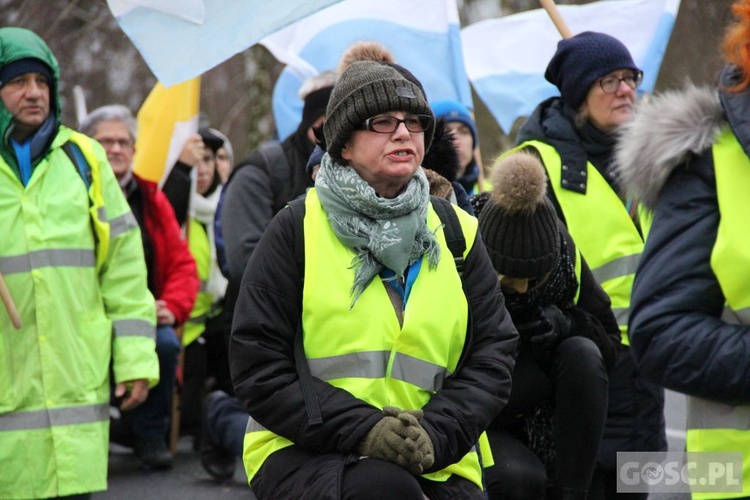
(188, 481)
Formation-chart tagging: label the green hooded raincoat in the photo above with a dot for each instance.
(83, 301)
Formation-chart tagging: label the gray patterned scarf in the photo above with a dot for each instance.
(387, 233)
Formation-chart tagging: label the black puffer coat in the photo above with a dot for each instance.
(265, 377)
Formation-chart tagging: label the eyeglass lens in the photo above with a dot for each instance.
(387, 124)
(123, 143)
(611, 83)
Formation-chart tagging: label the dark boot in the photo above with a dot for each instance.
(217, 461)
(153, 454)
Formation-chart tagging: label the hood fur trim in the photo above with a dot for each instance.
(665, 130)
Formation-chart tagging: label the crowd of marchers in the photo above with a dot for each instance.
(362, 309)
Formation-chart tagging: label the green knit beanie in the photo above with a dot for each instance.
(368, 89)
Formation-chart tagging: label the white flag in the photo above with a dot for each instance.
(180, 40)
(423, 35)
(506, 57)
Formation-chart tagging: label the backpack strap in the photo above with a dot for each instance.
(272, 160)
(297, 207)
(79, 161)
(454, 235)
(278, 169)
(312, 405)
(454, 238)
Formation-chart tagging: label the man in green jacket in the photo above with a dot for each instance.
(72, 258)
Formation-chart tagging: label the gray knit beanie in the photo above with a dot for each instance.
(366, 89)
(518, 223)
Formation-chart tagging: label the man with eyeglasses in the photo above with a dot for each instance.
(574, 135)
(172, 279)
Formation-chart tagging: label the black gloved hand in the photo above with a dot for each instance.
(545, 338)
(540, 337)
(559, 321)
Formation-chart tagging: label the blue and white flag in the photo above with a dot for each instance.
(182, 39)
(506, 57)
(422, 35)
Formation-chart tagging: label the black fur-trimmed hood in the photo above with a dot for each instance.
(665, 131)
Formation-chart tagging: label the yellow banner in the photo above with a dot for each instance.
(167, 118)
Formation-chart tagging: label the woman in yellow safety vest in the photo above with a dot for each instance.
(369, 364)
(574, 135)
(685, 155)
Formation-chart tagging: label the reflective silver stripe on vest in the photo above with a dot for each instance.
(374, 364)
(204, 285)
(418, 372)
(253, 426)
(705, 414)
(369, 364)
(121, 224)
(25, 263)
(622, 315)
(616, 268)
(44, 419)
(134, 328)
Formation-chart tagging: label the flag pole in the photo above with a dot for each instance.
(10, 306)
(557, 19)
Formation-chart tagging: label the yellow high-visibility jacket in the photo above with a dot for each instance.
(82, 304)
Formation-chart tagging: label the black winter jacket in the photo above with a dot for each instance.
(250, 199)
(266, 381)
(676, 332)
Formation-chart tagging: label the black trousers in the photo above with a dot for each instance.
(576, 380)
(293, 473)
(635, 422)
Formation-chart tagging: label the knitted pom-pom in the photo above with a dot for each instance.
(364, 51)
(519, 182)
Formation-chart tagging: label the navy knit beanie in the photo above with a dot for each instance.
(23, 66)
(581, 60)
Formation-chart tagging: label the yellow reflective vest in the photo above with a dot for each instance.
(82, 304)
(713, 426)
(384, 363)
(201, 250)
(602, 230)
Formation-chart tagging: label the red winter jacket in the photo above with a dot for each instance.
(174, 273)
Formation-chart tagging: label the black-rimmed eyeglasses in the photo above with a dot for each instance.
(386, 124)
(611, 83)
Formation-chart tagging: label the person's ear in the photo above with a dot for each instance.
(345, 153)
